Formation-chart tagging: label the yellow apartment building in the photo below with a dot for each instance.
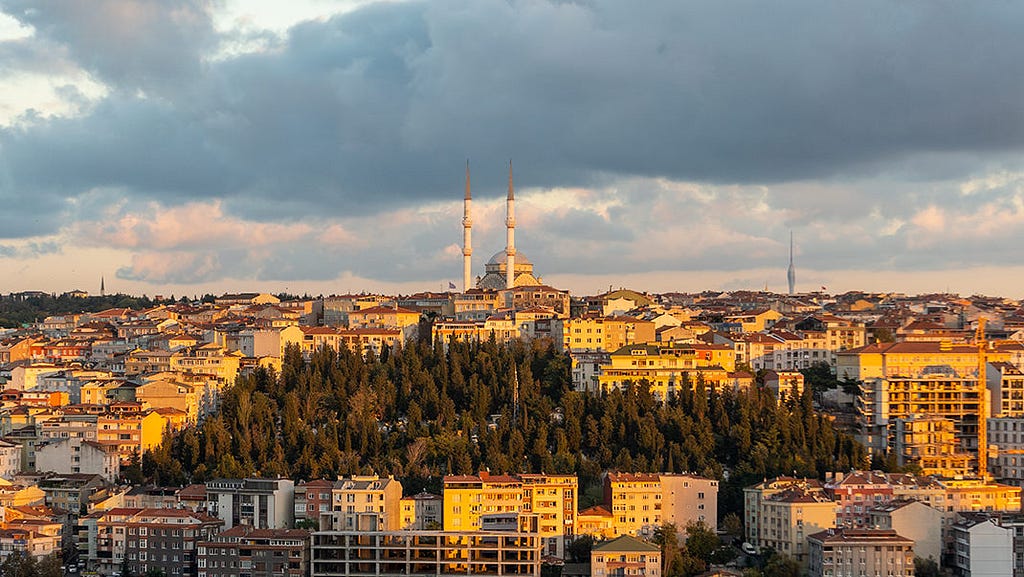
(909, 359)
(899, 380)
(459, 330)
(383, 317)
(929, 442)
(309, 339)
(554, 499)
(666, 368)
(160, 394)
(596, 521)
(636, 502)
(609, 334)
(755, 321)
(467, 497)
(883, 401)
(133, 433)
(96, 392)
(210, 359)
(973, 495)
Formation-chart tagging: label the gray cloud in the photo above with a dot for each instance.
(132, 44)
(841, 111)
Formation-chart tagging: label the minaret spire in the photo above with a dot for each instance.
(791, 273)
(510, 226)
(467, 237)
(103, 289)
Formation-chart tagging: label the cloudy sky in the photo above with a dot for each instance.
(206, 146)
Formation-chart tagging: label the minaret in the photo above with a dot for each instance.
(510, 225)
(467, 238)
(791, 273)
(103, 289)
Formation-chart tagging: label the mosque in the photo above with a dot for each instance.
(506, 269)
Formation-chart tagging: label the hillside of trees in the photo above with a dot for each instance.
(421, 412)
(16, 312)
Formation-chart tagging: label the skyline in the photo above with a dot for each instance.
(192, 147)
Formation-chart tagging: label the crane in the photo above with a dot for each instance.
(982, 344)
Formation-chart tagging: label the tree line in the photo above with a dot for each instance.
(424, 410)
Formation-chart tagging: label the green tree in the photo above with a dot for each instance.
(732, 525)
(701, 541)
(780, 565)
(578, 550)
(50, 566)
(19, 564)
(667, 538)
(926, 567)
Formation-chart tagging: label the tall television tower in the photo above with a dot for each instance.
(791, 273)
(467, 236)
(510, 228)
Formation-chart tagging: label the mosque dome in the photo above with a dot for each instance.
(501, 258)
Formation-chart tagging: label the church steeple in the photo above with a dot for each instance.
(510, 235)
(467, 237)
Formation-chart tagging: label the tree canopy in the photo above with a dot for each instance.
(426, 410)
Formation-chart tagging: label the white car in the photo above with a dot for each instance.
(748, 548)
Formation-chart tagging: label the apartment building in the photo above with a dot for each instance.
(982, 547)
(914, 520)
(687, 499)
(945, 390)
(259, 503)
(27, 541)
(312, 499)
(1006, 463)
(635, 500)
(596, 521)
(666, 369)
(625, 555)
(845, 551)
(788, 518)
(784, 384)
(1006, 389)
(244, 550)
(467, 497)
(365, 503)
(145, 540)
(608, 334)
(10, 459)
(422, 512)
(76, 455)
(929, 443)
(554, 499)
(386, 554)
(754, 498)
